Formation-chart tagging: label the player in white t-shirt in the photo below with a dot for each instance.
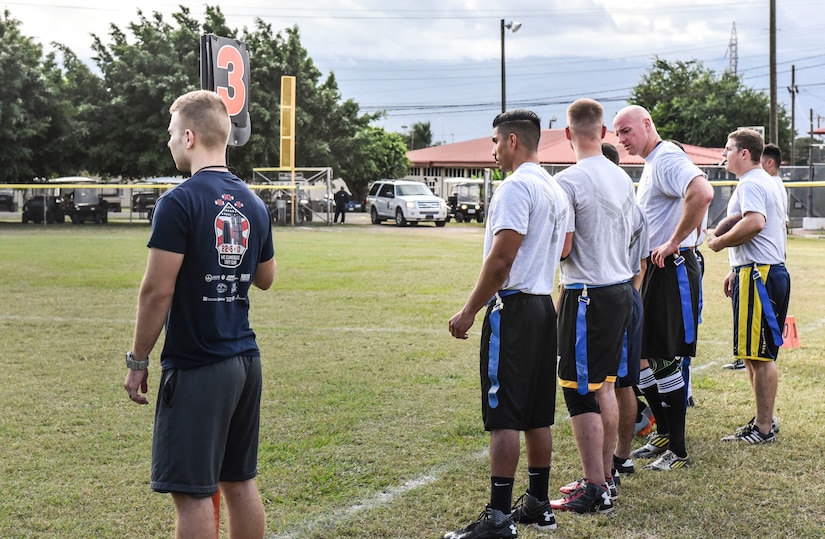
(525, 232)
(758, 283)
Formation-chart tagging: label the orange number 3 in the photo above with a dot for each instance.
(234, 93)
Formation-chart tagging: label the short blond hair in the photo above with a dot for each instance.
(586, 117)
(205, 114)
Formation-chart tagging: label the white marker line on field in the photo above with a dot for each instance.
(73, 320)
(380, 499)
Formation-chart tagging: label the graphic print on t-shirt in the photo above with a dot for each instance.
(231, 232)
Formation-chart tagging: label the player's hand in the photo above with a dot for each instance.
(728, 284)
(460, 324)
(663, 251)
(136, 385)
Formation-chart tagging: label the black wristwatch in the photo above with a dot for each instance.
(134, 364)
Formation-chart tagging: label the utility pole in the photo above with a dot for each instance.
(794, 90)
(774, 123)
(733, 51)
(811, 167)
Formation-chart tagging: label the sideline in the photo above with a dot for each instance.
(380, 499)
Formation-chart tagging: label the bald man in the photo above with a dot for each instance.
(674, 195)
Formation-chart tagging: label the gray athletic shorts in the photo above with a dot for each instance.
(206, 426)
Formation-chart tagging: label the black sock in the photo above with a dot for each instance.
(501, 494)
(675, 411)
(539, 477)
(654, 400)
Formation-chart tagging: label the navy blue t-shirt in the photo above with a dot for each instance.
(223, 230)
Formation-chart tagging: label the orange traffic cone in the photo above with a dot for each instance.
(791, 334)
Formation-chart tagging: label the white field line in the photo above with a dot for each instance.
(379, 499)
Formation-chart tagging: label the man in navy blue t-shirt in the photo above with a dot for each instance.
(211, 240)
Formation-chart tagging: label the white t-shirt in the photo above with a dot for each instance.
(665, 178)
(603, 203)
(639, 241)
(758, 192)
(781, 184)
(531, 203)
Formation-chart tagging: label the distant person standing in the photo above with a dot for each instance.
(674, 195)
(211, 241)
(758, 284)
(524, 238)
(595, 305)
(341, 200)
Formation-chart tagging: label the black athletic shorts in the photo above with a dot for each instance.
(206, 426)
(606, 320)
(518, 363)
(663, 334)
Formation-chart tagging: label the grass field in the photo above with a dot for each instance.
(370, 423)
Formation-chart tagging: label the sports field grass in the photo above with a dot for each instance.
(370, 424)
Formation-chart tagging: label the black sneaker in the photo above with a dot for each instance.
(528, 510)
(622, 466)
(491, 524)
(591, 498)
(745, 428)
(751, 435)
(610, 485)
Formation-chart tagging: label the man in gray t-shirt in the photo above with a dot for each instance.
(595, 304)
(525, 230)
(758, 283)
(674, 195)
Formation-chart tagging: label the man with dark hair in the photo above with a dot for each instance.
(610, 152)
(211, 241)
(758, 284)
(523, 242)
(595, 305)
(771, 161)
(674, 195)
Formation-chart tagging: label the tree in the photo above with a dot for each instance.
(805, 153)
(143, 77)
(141, 80)
(30, 112)
(326, 127)
(419, 136)
(378, 155)
(78, 90)
(693, 105)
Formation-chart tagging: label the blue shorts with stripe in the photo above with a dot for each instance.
(518, 363)
(752, 336)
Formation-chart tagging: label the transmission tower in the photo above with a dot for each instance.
(733, 51)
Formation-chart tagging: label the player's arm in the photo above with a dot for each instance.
(743, 230)
(697, 199)
(265, 274)
(494, 272)
(636, 280)
(568, 245)
(154, 300)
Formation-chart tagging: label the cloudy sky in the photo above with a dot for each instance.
(440, 60)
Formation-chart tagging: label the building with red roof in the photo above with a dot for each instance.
(470, 158)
